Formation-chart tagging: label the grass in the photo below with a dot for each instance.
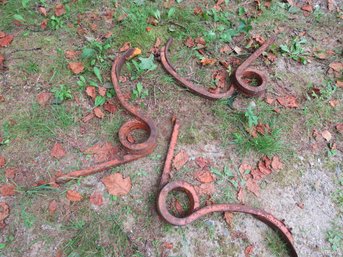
(276, 246)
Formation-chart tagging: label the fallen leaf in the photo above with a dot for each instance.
(225, 49)
(108, 35)
(2, 161)
(59, 10)
(249, 250)
(307, 8)
(43, 98)
(339, 83)
(339, 128)
(155, 49)
(88, 117)
(76, 67)
(102, 152)
(180, 159)
(202, 162)
(271, 57)
(73, 196)
(331, 5)
(200, 42)
(204, 176)
(57, 151)
(244, 167)
(42, 10)
(7, 190)
(336, 66)
(90, 91)
(259, 39)
(288, 101)
(264, 168)
(263, 129)
(178, 207)
(228, 217)
(189, 42)
(52, 208)
(253, 187)
(197, 10)
(205, 189)
(148, 29)
(152, 20)
(2, 34)
(4, 213)
(6, 40)
(69, 54)
(276, 163)
(167, 245)
(257, 174)
(326, 135)
(208, 61)
(334, 102)
(116, 184)
(2, 98)
(238, 50)
(122, 17)
(44, 24)
(240, 195)
(98, 113)
(111, 108)
(125, 47)
(2, 60)
(300, 205)
(136, 52)
(102, 91)
(10, 173)
(96, 198)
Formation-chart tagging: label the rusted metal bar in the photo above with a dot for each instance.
(195, 212)
(134, 151)
(242, 72)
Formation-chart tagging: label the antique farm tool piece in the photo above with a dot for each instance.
(241, 75)
(132, 150)
(195, 211)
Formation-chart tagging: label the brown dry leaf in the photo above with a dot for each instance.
(96, 198)
(331, 5)
(334, 102)
(238, 50)
(2, 98)
(204, 176)
(167, 245)
(125, 47)
(197, 10)
(2, 60)
(90, 91)
(59, 10)
(73, 196)
(102, 151)
(180, 159)
(156, 46)
(10, 173)
(69, 54)
(205, 189)
(44, 24)
(122, 17)
(148, 29)
(264, 167)
(88, 117)
(288, 101)
(109, 107)
(271, 57)
(152, 20)
(259, 39)
(178, 207)
(263, 129)
(6, 40)
(43, 98)
(42, 10)
(136, 52)
(228, 217)
(326, 135)
(200, 42)
(202, 162)
(240, 195)
(116, 184)
(76, 67)
(225, 49)
(98, 113)
(208, 61)
(249, 250)
(102, 91)
(189, 42)
(276, 163)
(4, 213)
(339, 83)
(339, 128)
(253, 187)
(7, 190)
(307, 8)
(2, 161)
(52, 208)
(57, 151)
(336, 66)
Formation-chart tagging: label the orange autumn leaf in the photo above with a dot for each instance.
(4, 213)
(102, 151)
(69, 54)
(43, 98)
(109, 107)
(208, 61)
(88, 117)
(44, 24)
(76, 67)
(202, 162)
(59, 10)
(339, 128)
(205, 189)
(180, 159)
(116, 184)
(204, 176)
(136, 52)
(249, 250)
(288, 101)
(42, 10)
(189, 42)
(125, 47)
(228, 216)
(96, 198)
(253, 187)
(2, 161)
(276, 163)
(307, 8)
(102, 91)
(240, 195)
(90, 91)
(6, 40)
(52, 207)
(197, 10)
(57, 151)
(7, 190)
(336, 66)
(98, 113)
(73, 196)
(10, 173)
(326, 135)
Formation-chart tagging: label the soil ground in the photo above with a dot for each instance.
(306, 192)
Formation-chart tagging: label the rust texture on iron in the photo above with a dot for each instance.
(195, 211)
(132, 151)
(242, 73)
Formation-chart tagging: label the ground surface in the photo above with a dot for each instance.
(303, 108)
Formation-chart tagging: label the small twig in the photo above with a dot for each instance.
(25, 50)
